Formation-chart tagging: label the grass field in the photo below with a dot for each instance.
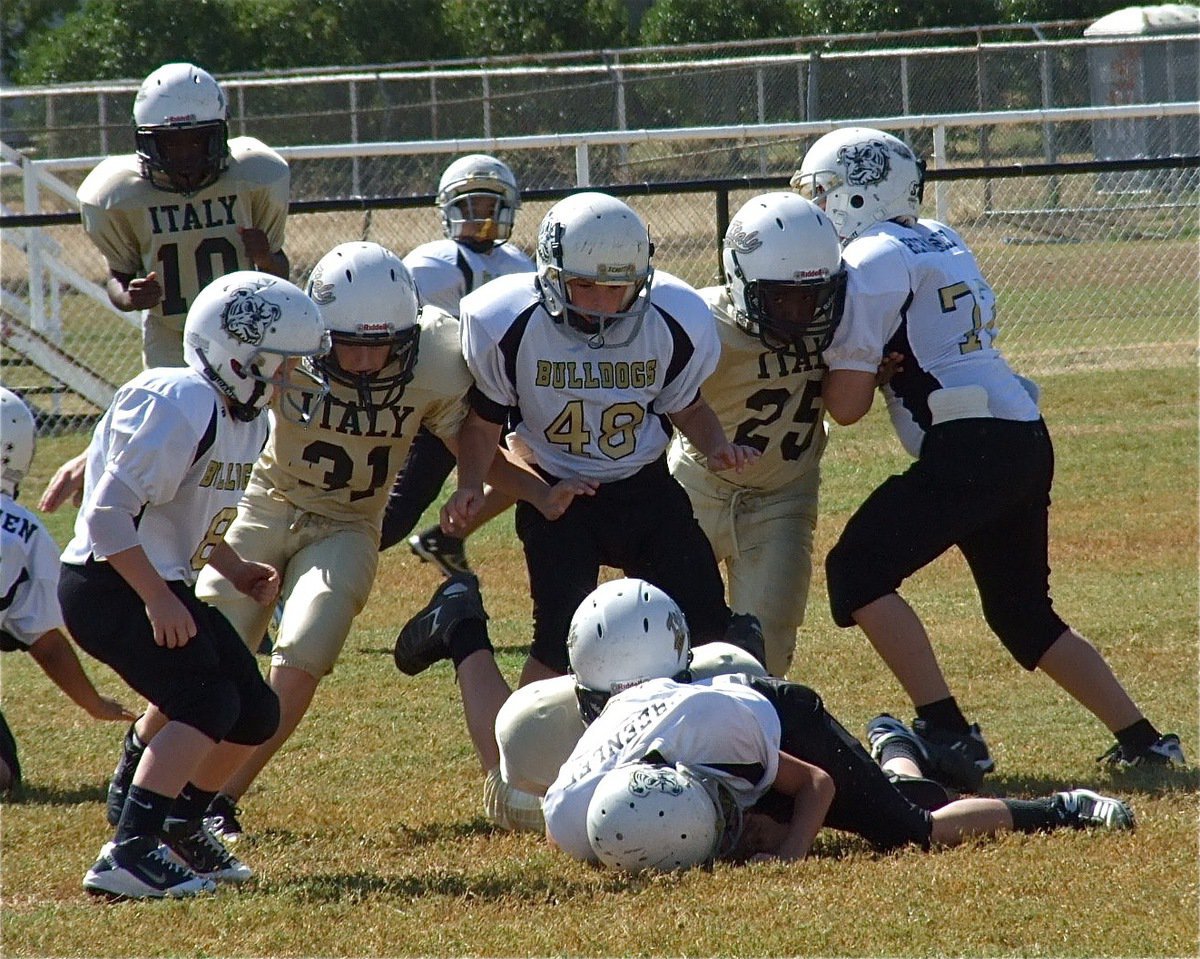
(367, 836)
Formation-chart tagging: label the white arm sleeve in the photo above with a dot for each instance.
(110, 514)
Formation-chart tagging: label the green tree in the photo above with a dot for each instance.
(705, 21)
(107, 39)
(536, 26)
(1031, 11)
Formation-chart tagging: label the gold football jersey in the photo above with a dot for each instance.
(342, 463)
(764, 399)
(186, 240)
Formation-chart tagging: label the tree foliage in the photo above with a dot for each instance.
(47, 41)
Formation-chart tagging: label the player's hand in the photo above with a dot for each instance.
(111, 710)
(172, 623)
(144, 292)
(66, 483)
(732, 456)
(259, 581)
(889, 366)
(256, 245)
(461, 509)
(559, 496)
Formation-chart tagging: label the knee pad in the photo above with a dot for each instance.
(511, 808)
(258, 718)
(210, 708)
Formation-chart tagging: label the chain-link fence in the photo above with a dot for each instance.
(1092, 269)
(655, 90)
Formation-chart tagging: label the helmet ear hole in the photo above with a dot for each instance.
(857, 201)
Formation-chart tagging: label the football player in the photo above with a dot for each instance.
(775, 313)
(597, 357)
(314, 503)
(167, 465)
(30, 617)
(478, 198)
(984, 460)
(673, 775)
(624, 632)
(189, 205)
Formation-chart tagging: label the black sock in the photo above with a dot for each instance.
(133, 744)
(1033, 815)
(1139, 737)
(143, 815)
(901, 748)
(468, 637)
(191, 803)
(944, 714)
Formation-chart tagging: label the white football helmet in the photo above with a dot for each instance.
(467, 178)
(645, 816)
(861, 177)
(180, 128)
(596, 237)
(368, 298)
(18, 438)
(783, 269)
(239, 332)
(625, 632)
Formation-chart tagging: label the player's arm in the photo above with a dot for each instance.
(258, 251)
(847, 394)
(259, 581)
(699, 423)
(54, 653)
(812, 790)
(128, 292)
(109, 517)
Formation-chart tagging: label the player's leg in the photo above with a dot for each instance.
(770, 571)
(326, 583)
(1009, 561)
(162, 343)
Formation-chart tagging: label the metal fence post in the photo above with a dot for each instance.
(33, 252)
(622, 122)
(814, 86)
(722, 198)
(355, 163)
(583, 176)
(487, 106)
(433, 107)
(760, 83)
(940, 192)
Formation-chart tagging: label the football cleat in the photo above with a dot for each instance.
(221, 818)
(141, 868)
(196, 848)
(446, 552)
(958, 760)
(1080, 808)
(425, 639)
(122, 777)
(920, 791)
(885, 729)
(1164, 752)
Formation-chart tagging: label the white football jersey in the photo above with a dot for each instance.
(597, 413)
(341, 464)
(719, 725)
(187, 241)
(919, 291)
(168, 437)
(445, 271)
(28, 574)
(765, 399)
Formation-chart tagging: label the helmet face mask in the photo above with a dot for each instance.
(595, 238)
(625, 632)
(180, 128)
(784, 274)
(248, 333)
(368, 298)
(653, 816)
(479, 198)
(18, 440)
(860, 177)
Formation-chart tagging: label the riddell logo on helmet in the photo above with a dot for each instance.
(623, 271)
(180, 118)
(372, 328)
(811, 274)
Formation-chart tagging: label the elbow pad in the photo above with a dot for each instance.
(110, 516)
